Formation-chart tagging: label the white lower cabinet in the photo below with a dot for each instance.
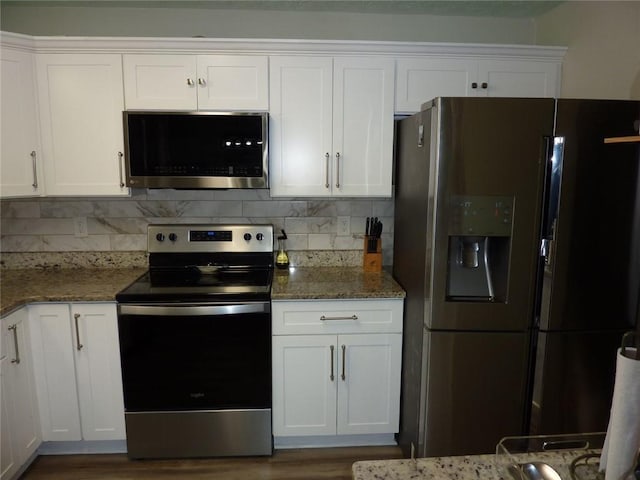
(343, 381)
(19, 424)
(77, 369)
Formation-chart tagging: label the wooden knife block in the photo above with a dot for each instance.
(372, 261)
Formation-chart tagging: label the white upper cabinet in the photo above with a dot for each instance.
(81, 103)
(20, 166)
(518, 78)
(331, 129)
(420, 79)
(196, 82)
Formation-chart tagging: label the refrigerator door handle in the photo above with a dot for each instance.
(544, 250)
(553, 177)
(546, 246)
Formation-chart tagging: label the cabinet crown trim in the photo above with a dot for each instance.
(61, 44)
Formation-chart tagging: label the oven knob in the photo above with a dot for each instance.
(247, 236)
(260, 237)
(160, 237)
(173, 237)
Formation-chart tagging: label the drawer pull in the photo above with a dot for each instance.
(76, 316)
(344, 362)
(352, 317)
(331, 376)
(14, 328)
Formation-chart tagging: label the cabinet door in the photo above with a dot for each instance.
(422, 79)
(363, 126)
(233, 82)
(160, 82)
(20, 173)
(53, 361)
(300, 129)
(8, 462)
(304, 385)
(369, 383)
(81, 103)
(518, 78)
(25, 419)
(99, 377)
(21, 435)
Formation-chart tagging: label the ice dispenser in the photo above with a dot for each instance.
(479, 247)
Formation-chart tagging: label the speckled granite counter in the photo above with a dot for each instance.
(18, 287)
(21, 286)
(333, 282)
(484, 467)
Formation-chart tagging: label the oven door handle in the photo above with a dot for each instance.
(194, 310)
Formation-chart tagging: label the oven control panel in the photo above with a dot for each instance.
(209, 238)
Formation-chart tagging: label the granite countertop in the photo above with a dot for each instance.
(301, 283)
(486, 467)
(21, 286)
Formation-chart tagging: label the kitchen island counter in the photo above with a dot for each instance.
(307, 283)
(21, 286)
(470, 467)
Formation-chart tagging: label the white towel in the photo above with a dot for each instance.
(622, 442)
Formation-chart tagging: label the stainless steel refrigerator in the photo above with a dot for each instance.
(517, 239)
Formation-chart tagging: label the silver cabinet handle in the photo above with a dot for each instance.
(14, 327)
(352, 317)
(76, 316)
(35, 169)
(120, 158)
(338, 170)
(344, 361)
(190, 82)
(326, 181)
(202, 82)
(331, 376)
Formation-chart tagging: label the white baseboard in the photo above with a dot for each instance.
(321, 441)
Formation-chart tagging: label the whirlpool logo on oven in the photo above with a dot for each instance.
(196, 395)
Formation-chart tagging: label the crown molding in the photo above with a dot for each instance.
(62, 44)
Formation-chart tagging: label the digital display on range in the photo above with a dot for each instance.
(210, 236)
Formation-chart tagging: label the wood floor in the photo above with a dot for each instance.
(307, 464)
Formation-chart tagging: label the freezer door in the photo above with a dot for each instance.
(574, 380)
(475, 391)
(592, 272)
(491, 156)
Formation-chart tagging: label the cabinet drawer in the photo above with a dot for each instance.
(337, 316)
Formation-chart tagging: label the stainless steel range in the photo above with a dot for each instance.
(195, 343)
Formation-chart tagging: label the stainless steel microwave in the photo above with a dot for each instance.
(196, 149)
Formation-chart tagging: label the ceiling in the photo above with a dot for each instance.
(476, 8)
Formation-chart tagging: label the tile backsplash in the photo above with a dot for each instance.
(83, 224)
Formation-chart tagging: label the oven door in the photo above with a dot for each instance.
(195, 357)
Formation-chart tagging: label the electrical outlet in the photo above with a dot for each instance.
(80, 228)
(344, 226)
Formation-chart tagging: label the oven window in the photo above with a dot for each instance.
(195, 362)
